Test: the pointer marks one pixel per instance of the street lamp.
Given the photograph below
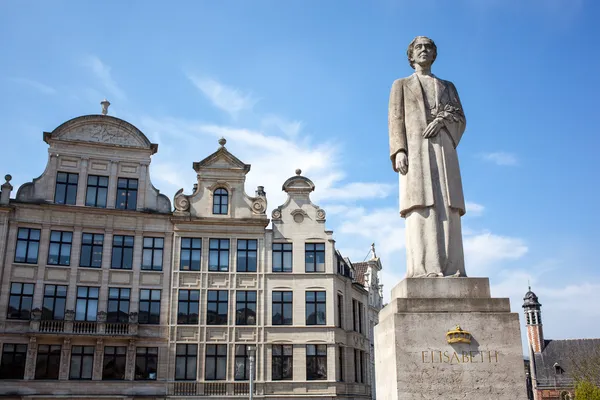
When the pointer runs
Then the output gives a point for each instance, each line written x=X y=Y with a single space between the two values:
x=251 y=353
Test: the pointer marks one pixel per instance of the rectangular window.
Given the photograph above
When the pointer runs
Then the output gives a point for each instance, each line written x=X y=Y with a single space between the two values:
x=316 y=362
x=282 y=257
x=340 y=310
x=246 y=255
x=115 y=358
x=149 y=306
x=127 y=194
x=245 y=308
x=55 y=298
x=282 y=308
x=12 y=365
x=220 y=201
x=282 y=362
x=315 y=257
x=242 y=363
x=358 y=366
x=28 y=243
x=218 y=258
x=361 y=308
x=362 y=366
x=47 y=363
x=118 y=305
x=152 y=257
x=189 y=301
x=186 y=360
x=355 y=315
x=122 y=252
x=315 y=308
x=190 y=255
x=20 y=300
x=86 y=307
x=216 y=307
x=340 y=364
x=146 y=363
x=59 y=252
x=97 y=189
x=82 y=362
x=91 y=250
x=216 y=362
x=66 y=188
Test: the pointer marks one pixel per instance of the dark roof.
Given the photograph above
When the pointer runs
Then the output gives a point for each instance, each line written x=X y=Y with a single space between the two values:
x=565 y=353
x=530 y=300
x=360 y=268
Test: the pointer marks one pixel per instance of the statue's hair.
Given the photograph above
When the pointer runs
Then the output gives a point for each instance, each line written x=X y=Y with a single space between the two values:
x=412 y=45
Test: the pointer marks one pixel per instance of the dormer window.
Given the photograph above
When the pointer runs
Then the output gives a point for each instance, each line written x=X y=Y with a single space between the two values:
x=220 y=201
x=557 y=369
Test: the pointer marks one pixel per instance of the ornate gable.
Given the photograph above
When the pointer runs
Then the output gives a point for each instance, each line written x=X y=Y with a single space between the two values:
x=221 y=159
x=102 y=129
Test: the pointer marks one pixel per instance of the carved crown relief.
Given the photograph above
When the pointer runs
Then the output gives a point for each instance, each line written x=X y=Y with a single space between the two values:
x=103 y=134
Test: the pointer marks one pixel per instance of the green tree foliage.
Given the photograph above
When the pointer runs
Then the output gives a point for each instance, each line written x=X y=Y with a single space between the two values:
x=586 y=390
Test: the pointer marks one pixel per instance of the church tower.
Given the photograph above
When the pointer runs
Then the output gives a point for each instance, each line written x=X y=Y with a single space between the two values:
x=533 y=320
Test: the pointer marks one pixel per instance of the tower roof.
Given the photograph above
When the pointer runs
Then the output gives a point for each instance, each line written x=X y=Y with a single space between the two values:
x=530 y=299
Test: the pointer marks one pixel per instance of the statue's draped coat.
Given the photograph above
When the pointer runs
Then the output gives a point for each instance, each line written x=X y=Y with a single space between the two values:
x=431 y=196
x=407 y=122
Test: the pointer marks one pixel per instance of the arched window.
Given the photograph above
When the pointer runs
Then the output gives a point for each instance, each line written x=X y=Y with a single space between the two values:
x=220 y=201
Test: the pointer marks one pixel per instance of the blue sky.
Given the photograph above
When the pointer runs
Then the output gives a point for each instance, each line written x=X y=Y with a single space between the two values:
x=305 y=85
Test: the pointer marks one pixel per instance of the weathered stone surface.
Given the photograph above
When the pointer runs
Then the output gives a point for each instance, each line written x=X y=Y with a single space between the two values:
x=442 y=288
x=415 y=361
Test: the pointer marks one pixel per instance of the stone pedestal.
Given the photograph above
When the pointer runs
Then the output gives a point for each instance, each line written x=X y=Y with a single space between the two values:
x=413 y=359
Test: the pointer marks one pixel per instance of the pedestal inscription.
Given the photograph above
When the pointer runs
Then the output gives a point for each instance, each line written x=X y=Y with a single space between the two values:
x=463 y=345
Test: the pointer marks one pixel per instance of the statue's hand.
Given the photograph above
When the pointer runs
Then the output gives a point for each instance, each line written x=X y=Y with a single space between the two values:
x=433 y=128
x=402 y=162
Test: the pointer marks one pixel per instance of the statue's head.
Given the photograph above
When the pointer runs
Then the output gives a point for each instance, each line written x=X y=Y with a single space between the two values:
x=421 y=50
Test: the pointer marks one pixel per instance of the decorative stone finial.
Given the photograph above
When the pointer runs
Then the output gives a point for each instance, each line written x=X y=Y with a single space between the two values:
x=222 y=142
x=7 y=177
x=105 y=103
x=298 y=171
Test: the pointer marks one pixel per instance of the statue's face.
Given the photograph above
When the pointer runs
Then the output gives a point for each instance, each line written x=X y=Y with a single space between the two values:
x=423 y=52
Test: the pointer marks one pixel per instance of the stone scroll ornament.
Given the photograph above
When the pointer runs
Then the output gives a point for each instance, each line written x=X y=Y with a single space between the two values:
x=182 y=203
x=426 y=123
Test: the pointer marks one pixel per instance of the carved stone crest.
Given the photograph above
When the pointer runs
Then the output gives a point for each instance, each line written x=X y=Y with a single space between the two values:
x=69 y=315
x=321 y=214
x=133 y=318
x=101 y=316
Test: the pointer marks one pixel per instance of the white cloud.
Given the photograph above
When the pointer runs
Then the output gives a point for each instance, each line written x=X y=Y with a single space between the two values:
x=358 y=190
x=228 y=99
x=474 y=209
x=500 y=158
x=41 y=87
x=104 y=76
x=486 y=249
x=289 y=128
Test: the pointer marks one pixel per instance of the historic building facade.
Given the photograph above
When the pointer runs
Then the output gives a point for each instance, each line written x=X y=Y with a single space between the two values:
x=553 y=363
x=108 y=291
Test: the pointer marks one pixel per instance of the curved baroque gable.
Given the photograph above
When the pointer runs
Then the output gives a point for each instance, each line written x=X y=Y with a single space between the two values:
x=102 y=129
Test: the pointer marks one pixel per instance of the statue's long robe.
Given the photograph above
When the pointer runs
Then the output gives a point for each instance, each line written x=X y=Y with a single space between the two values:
x=431 y=196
